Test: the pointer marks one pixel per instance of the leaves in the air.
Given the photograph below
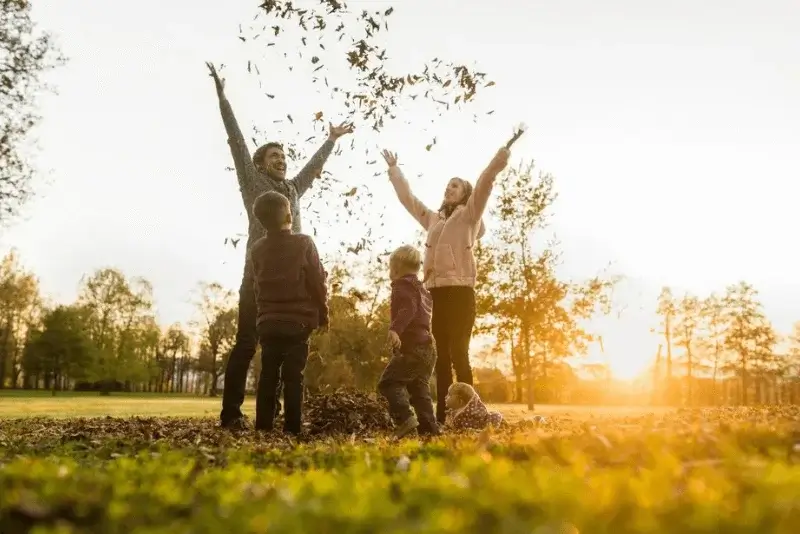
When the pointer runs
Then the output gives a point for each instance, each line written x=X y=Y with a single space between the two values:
x=374 y=94
x=351 y=192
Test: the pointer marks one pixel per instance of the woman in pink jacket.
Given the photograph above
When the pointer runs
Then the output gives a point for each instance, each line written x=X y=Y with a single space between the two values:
x=449 y=264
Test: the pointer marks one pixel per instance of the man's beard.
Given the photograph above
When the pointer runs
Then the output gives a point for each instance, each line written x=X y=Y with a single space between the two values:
x=275 y=173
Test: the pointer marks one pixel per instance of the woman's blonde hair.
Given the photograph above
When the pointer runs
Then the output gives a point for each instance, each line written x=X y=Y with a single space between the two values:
x=406 y=259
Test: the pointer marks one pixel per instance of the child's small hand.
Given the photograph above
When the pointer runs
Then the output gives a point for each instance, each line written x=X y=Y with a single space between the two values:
x=393 y=339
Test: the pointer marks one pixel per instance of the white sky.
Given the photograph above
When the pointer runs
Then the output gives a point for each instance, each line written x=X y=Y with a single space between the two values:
x=672 y=129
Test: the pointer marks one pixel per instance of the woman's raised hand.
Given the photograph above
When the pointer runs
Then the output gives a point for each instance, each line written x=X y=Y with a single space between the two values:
x=390 y=158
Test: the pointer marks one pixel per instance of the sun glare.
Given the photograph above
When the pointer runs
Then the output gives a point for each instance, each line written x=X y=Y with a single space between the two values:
x=623 y=368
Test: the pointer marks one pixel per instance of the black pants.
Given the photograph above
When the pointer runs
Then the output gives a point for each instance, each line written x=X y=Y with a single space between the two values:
x=242 y=353
x=452 y=323
x=284 y=352
x=406 y=382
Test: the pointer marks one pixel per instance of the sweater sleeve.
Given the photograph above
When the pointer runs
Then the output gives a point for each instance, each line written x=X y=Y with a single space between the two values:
x=242 y=161
x=316 y=280
x=476 y=204
x=424 y=215
x=403 y=306
x=302 y=182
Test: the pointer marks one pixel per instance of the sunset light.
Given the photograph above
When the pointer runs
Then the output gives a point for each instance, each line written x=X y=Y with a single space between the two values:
x=375 y=266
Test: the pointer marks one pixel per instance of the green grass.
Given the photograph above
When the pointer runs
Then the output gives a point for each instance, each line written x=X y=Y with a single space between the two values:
x=595 y=471
x=22 y=403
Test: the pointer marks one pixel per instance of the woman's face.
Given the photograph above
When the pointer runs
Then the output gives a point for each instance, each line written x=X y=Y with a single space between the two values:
x=455 y=192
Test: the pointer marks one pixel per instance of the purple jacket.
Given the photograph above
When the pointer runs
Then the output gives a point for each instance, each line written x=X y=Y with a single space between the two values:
x=411 y=306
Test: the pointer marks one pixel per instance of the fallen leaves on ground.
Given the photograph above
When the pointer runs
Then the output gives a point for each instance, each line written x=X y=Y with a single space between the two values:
x=719 y=470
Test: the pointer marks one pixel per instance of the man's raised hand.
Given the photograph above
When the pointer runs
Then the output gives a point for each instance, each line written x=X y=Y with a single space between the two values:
x=337 y=131
x=220 y=83
x=390 y=158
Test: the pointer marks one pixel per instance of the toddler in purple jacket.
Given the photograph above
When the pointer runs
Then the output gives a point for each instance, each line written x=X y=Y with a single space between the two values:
x=413 y=351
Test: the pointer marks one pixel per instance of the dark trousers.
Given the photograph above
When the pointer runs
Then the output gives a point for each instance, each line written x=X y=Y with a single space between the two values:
x=242 y=353
x=284 y=352
x=452 y=322
x=406 y=382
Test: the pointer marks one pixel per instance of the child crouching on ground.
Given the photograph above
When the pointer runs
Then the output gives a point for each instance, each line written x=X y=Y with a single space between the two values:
x=413 y=351
x=291 y=301
x=467 y=410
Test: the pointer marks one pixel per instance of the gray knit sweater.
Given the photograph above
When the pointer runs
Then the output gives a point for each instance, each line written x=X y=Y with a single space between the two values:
x=253 y=182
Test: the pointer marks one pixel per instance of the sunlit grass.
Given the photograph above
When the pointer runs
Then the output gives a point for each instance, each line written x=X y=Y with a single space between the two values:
x=17 y=403
x=710 y=471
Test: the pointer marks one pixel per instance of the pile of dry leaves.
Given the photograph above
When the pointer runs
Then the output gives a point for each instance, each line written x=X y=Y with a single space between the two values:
x=346 y=412
x=343 y=413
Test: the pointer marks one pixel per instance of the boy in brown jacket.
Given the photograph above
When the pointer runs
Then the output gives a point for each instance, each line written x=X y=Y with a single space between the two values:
x=291 y=302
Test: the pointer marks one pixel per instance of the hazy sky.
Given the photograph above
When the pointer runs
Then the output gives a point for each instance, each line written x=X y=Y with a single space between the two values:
x=672 y=128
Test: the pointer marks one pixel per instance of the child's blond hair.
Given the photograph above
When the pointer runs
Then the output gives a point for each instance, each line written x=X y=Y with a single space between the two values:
x=405 y=260
x=461 y=394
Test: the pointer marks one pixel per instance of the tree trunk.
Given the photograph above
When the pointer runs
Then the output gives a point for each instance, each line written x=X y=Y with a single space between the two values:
x=668 y=340
x=689 y=373
x=743 y=395
x=531 y=368
x=714 y=384
x=656 y=399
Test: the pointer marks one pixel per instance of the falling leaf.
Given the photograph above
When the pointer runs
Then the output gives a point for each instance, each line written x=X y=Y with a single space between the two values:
x=318 y=116
x=489 y=84
x=351 y=192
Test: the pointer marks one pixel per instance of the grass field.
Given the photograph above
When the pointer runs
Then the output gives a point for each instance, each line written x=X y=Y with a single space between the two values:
x=584 y=469
x=16 y=403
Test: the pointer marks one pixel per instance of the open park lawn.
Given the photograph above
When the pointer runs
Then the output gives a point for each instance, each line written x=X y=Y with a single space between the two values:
x=136 y=463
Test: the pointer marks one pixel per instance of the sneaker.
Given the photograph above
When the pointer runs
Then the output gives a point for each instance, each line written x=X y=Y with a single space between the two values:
x=406 y=427
x=237 y=424
x=429 y=431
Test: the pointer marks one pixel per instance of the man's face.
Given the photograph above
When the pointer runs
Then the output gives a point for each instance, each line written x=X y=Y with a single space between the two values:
x=274 y=163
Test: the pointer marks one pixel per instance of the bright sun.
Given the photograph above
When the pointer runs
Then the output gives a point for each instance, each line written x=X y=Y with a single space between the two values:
x=624 y=368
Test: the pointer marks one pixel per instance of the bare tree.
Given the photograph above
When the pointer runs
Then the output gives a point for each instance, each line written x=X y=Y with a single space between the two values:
x=25 y=55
